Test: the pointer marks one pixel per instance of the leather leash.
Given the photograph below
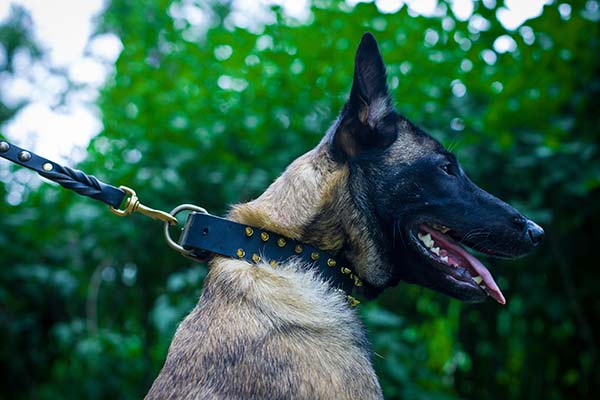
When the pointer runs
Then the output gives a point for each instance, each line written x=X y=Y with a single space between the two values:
x=203 y=234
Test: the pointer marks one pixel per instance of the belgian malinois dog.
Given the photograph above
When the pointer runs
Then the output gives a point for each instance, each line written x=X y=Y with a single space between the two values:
x=377 y=191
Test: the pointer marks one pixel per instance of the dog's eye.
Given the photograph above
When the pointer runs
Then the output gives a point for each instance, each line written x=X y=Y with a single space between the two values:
x=446 y=168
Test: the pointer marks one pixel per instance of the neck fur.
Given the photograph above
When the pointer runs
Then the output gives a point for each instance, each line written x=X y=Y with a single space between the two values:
x=311 y=202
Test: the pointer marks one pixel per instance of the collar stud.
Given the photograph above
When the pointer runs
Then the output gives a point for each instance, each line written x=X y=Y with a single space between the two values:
x=352 y=301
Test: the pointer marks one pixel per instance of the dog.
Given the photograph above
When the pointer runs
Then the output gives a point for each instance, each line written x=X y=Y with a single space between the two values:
x=377 y=191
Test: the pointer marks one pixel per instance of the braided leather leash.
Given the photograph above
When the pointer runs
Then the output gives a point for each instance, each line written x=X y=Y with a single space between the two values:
x=203 y=234
x=68 y=178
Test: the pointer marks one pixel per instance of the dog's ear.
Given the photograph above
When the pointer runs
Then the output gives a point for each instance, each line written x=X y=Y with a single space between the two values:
x=368 y=119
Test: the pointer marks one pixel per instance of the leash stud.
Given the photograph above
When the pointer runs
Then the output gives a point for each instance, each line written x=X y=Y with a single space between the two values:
x=24 y=156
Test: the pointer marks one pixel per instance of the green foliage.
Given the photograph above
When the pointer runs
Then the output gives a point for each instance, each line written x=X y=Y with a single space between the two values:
x=88 y=303
x=15 y=37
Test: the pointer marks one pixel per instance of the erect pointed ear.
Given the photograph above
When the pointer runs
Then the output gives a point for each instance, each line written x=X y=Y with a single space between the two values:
x=368 y=118
x=369 y=74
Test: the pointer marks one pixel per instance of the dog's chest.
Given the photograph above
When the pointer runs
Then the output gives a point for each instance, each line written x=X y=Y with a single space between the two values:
x=260 y=334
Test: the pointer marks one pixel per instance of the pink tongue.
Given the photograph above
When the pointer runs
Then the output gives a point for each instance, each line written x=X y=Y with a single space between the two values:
x=492 y=288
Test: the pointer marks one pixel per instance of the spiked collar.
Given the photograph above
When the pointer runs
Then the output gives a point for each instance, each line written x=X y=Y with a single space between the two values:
x=206 y=233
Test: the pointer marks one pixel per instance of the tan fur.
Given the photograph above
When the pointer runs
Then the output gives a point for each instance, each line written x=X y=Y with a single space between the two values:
x=409 y=147
x=311 y=203
x=263 y=332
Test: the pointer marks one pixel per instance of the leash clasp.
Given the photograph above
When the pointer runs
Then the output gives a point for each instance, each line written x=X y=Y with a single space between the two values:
x=133 y=205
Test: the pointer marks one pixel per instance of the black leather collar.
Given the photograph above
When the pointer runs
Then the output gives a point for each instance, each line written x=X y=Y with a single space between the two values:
x=205 y=233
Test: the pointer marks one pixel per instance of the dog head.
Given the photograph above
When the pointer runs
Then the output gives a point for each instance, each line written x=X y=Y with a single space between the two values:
x=419 y=207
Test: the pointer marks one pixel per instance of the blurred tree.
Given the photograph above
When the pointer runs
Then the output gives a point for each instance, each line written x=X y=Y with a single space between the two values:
x=208 y=105
x=15 y=38
x=18 y=317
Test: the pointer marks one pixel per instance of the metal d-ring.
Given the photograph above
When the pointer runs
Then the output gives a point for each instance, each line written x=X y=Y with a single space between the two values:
x=174 y=245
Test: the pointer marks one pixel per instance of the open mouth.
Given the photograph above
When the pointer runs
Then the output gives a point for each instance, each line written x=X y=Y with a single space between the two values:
x=444 y=252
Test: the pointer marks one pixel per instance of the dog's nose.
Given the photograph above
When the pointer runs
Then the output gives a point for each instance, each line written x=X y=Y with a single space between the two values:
x=535 y=233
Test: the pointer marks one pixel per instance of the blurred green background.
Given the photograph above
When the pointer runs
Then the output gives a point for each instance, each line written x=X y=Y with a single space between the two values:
x=211 y=112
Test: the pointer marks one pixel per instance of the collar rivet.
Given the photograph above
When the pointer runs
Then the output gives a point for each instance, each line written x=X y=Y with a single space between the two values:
x=353 y=302
x=264 y=236
x=314 y=256
x=357 y=281
x=298 y=249
x=240 y=253
x=331 y=262
x=281 y=242
x=249 y=231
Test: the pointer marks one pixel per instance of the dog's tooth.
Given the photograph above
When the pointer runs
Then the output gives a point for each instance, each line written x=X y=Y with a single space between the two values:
x=444 y=258
x=427 y=240
x=436 y=250
x=478 y=279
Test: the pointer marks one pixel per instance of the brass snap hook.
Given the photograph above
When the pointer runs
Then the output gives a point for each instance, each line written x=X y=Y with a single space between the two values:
x=133 y=205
